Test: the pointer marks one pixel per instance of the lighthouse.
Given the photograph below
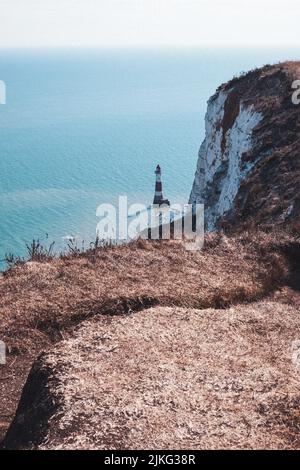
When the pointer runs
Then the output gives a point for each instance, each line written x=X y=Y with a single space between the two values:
x=158 y=195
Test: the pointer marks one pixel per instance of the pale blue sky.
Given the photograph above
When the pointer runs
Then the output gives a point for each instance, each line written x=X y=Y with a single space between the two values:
x=52 y=23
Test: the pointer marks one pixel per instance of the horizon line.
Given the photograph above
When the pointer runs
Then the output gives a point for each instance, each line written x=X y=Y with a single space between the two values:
x=156 y=46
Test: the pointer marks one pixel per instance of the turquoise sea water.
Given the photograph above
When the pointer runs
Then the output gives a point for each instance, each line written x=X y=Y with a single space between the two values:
x=80 y=128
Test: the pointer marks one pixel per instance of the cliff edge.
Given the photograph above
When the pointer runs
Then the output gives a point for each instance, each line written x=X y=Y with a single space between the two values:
x=167 y=378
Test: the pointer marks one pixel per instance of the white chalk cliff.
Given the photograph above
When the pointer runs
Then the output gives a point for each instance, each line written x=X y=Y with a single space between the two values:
x=246 y=123
x=220 y=169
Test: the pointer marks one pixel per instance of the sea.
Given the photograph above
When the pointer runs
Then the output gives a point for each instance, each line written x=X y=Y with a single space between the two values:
x=82 y=127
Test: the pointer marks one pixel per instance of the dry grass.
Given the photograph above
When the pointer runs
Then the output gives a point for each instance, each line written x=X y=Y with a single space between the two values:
x=168 y=378
x=42 y=302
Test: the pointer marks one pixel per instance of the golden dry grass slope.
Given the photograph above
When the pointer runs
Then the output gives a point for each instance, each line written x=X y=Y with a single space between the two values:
x=108 y=293
x=168 y=378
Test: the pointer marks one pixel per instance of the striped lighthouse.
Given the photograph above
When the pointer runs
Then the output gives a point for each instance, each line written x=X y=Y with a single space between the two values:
x=158 y=195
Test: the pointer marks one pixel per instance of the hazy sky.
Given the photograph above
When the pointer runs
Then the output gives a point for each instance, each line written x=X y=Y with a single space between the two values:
x=38 y=23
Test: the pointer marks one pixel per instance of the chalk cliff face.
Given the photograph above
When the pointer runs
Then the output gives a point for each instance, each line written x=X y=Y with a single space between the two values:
x=248 y=169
